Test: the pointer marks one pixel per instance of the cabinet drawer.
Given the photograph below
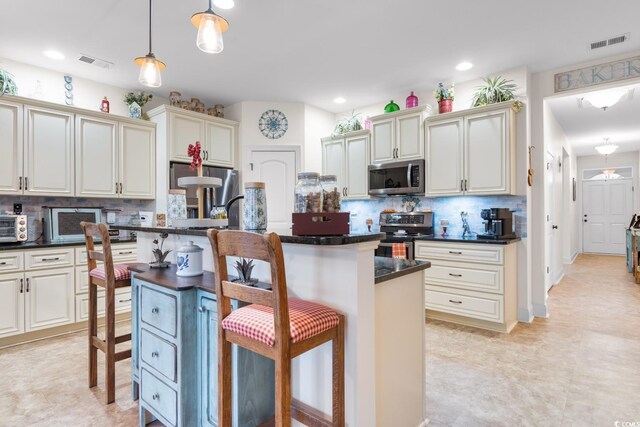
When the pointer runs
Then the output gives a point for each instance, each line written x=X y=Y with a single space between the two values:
x=119 y=252
x=10 y=262
x=159 y=397
x=158 y=310
x=123 y=304
x=48 y=258
x=465 y=303
x=474 y=277
x=158 y=354
x=485 y=253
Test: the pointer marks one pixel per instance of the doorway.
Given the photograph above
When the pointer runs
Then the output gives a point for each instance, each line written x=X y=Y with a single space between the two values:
x=550 y=218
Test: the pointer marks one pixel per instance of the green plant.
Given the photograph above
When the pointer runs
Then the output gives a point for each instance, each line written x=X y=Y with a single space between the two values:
x=158 y=253
x=348 y=124
x=7 y=83
x=443 y=92
x=493 y=90
x=244 y=267
x=139 y=98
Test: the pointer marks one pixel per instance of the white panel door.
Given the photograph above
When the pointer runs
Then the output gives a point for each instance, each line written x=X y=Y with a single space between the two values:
x=184 y=130
x=607 y=207
x=382 y=141
x=444 y=158
x=486 y=153
x=137 y=163
x=220 y=143
x=333 y=162
x=11 y=144
x=96 y=157
x=277 y=169
x=49 y=165
x=409 y=138
x=357 y=162
x=549 y=212
x=50 y=298
x=11 y=304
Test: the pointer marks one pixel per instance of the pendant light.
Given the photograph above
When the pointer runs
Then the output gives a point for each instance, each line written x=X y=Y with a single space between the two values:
x=210 y=28
x=150 y=67
x=606 y=148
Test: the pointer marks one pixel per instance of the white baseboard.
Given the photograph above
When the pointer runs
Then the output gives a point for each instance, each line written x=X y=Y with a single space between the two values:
x=572 y=259
x=540 y=310
x=559 y=279
x=525 y=315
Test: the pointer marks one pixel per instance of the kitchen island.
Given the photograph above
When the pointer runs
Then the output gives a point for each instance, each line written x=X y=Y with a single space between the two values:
x=384 y=336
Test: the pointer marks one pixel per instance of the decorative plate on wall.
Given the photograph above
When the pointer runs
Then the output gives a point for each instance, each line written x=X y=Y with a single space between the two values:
x=273 y=124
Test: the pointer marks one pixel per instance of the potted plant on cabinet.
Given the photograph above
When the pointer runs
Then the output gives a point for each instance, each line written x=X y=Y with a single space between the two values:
x=348 y=124
x=494 y=90
x=444 y=96
x=135 y=102
x=7 y=83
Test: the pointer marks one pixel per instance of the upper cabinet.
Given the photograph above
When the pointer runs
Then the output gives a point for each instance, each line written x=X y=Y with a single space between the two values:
x=472 y=151
x=219 y=144
x=137 y=161
x=97 y=154
x=183 y=131
x=11 y=143
x=397 y=136
x=347 y=157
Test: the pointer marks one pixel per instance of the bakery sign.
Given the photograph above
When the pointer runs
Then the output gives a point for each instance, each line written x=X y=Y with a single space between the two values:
x=598 y=74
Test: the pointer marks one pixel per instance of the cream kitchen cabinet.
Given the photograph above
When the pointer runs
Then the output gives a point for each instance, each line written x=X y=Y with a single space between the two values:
x=219 y=147
x=472 y=151
x=184 y=130
x=398 y=136
x=137 y=161
x=50 y=298
x=11 y=304
x=11 y=147
x=346 y=156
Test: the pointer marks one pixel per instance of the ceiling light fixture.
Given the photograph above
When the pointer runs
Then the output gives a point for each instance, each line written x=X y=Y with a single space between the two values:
x=606 y=148
x=210 y=28
x=224 y=4
x=53 y=54
x=604 y=98
x=150 y=67
x=464 y=66
x=339 y=100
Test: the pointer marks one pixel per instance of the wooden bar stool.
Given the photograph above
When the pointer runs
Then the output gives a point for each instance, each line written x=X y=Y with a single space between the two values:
x=109 y=277
x=274 y=326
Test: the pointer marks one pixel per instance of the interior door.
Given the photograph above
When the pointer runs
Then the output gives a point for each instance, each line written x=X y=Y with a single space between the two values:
x=549 y=218
x=278 y=170
x=606 y=209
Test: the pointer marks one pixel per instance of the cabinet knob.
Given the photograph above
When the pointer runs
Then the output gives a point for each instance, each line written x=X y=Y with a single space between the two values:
x=155 y=310
x=156 y=396
x=203 y=309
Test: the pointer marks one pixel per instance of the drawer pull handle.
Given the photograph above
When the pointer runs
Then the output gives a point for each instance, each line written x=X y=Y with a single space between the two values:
x=155 y=310
x=124 y=300
x=455 y=253
x=3 y=263
x=455 y=302
x=156 y=396
x=203 y=309
x=155 y=354
x=455 y=275
x=125 y=253
x=51 y=259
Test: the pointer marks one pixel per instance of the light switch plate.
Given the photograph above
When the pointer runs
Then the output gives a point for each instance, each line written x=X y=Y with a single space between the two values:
x=111 y=217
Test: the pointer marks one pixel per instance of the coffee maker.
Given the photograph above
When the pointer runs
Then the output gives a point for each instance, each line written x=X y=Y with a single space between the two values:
x=498 y=224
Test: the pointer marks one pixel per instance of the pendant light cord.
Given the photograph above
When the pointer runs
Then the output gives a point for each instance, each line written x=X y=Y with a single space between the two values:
x=150 y=51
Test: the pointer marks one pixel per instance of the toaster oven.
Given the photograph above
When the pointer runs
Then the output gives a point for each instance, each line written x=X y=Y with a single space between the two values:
x=13 y=228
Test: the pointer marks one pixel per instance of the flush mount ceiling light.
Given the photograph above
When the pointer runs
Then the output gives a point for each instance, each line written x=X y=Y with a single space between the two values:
x=464 y=66
x=604 y=98
x=150 y=67
x=53 y=54
x=210 y=28
x=339 y=100
x=606 y=148
x=224 y=4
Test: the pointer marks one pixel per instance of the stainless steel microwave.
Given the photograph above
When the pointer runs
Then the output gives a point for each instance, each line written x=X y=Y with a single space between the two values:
x=397 y=178
x=63 y=224
x=13 y=228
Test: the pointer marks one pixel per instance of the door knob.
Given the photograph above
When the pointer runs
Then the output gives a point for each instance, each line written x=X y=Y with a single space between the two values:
x=555 y=227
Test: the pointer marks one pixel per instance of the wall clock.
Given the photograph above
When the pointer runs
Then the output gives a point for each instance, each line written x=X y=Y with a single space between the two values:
x=273 y=124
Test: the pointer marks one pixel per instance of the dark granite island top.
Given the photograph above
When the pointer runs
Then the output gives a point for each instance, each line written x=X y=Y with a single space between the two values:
x=285 y=235
x=392 y=268
x=473 y=239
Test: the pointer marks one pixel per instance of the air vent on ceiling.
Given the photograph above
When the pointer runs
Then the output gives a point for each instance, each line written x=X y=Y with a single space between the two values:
x=92 y=60
x=609 y=42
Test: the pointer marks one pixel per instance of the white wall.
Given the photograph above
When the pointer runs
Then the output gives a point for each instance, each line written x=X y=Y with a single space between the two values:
x=318 y=124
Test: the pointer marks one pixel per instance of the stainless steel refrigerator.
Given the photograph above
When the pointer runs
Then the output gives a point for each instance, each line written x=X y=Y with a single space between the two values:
x=217 y=197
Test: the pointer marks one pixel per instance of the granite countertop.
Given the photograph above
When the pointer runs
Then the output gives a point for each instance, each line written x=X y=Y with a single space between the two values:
x=472 y=239
x=392 y=268
x=45 y=245
x=285 y=235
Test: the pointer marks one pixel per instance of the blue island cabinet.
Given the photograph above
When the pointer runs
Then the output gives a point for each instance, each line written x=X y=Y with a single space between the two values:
x=174 y=361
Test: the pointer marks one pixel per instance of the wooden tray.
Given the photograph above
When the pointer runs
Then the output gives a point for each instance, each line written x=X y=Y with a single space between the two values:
x=320 y=224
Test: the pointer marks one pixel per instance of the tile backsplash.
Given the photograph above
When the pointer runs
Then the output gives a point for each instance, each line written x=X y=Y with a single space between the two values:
x=32 y=207
x=443 y=208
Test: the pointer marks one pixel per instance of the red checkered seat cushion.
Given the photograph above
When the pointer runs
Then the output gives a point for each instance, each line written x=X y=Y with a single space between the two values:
x=256 y=321
x=121 y=271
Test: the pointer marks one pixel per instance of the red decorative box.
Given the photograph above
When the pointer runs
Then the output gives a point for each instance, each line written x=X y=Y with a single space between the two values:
x=320 y=224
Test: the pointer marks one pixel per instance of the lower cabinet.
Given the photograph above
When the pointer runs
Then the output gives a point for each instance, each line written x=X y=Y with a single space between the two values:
x=50 y=298
x=11 y=304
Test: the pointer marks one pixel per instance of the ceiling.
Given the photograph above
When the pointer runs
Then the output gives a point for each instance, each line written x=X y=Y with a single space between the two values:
x=586 y=126
x=313 y=51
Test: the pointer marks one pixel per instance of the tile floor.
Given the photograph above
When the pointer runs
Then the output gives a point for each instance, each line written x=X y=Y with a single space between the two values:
x=579 y=367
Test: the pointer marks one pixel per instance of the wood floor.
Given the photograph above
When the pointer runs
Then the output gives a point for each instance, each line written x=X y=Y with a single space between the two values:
x=579 y=367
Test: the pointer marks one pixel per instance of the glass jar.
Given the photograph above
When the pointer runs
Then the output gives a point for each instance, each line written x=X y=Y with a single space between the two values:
x=330 y=193
x=308 y=193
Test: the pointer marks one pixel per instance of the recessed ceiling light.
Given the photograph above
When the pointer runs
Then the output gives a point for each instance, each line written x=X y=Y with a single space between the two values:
x=224 y=4
x=53 y=54
x=464 y=66
x=339 y=100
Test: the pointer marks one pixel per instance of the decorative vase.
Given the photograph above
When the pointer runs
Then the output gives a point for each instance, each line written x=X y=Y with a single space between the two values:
x=445 y=105
x=174 y=98
x=412 y=100
x=254 y=212
x=367 y=123
x=391 y=107
x=134 y=111
x=189 y=260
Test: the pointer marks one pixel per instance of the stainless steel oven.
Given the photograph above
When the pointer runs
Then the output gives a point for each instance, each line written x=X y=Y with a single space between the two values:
x=13 y=228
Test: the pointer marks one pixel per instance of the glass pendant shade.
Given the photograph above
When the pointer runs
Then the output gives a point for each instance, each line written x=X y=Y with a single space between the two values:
x=604 y=99
x=209 y=35
x=150 y=71
x=606 y=148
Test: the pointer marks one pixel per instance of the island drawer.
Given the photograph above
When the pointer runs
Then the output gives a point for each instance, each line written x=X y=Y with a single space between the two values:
x=158 y=354
x=159 y=396
x=10 y=262
x=484 y=253
x=48 y=258
x=465 y=303
x=463 y=275
x=159 y=310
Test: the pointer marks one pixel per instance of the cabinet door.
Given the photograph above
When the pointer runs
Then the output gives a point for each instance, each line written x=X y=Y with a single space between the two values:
x=11 y=304
x=11 y=148
x=486 y=153
x=137 y=161
x=333 y=161
x=409 y=140
x=208 y=361
x=382 y=142
x=220 y=144
x=444 y=158
x=49 y=153
x=357 y=153
x=184 y=130
x=96 y=157
x=50 y=298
